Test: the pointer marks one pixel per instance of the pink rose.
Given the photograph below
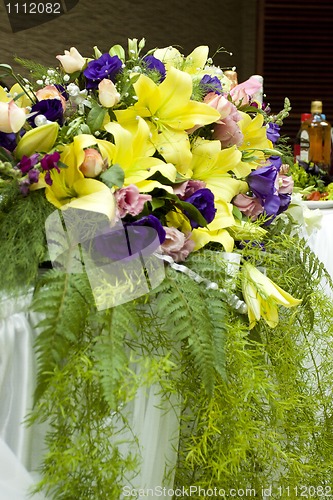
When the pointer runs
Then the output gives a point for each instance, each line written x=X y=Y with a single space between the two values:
x=176 y=244
x=51 y=92
x=187 y=188
x=248 y=205
x=130 y=200
x=223 y=106
x=241 y=93
x=93 y=163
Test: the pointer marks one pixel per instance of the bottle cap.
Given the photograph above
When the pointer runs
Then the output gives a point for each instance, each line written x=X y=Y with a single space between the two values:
x=305 y=116
x=316 y=106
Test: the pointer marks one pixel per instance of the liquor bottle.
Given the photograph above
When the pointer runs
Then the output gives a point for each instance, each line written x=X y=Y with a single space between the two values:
x=301 y=144
x=319 y=132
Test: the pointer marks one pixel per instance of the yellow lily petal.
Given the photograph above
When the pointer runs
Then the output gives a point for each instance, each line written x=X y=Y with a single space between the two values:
x=177 y=219
x=174 y=146
x=170 y=56
x=38 y=140
x=93 y=196
x=202 y=236
x=3 y=95
x=196 y=60
x=22 y=101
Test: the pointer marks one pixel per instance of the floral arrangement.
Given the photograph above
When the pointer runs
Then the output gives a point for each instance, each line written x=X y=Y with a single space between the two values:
x=169 y=152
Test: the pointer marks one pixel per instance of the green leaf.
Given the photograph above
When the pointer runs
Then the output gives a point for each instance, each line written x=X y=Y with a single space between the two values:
x=5 y=156
x=7 y=68
x=114 y=176
x=237 y=213
x=96 y=117
x=157 y=203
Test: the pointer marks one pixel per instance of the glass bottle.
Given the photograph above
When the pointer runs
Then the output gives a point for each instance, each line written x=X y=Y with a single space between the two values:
x=319 y=132
x=301 y=145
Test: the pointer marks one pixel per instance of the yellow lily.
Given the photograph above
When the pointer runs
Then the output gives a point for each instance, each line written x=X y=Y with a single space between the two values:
x=195 y=63
x=217 y=230
x=212 y=165
x=255 y=141
x=70 y=189
x=169 y=111
x=133 y=153
x=22 y=102
x=262 y=296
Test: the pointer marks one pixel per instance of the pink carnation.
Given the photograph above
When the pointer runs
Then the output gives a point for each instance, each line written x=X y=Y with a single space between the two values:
x=248 y=205
x=176 y=244
x=130 y=200
x=285 y=184
x=226 y=128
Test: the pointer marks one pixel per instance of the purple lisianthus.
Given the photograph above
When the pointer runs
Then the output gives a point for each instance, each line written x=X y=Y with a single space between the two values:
x=275 y=161
x=105 y=66
x=50 y=108
x=62 y=90
x=262 y=181
x=285 y=199
x=150 y=221
x=8 y=141
x=273 y=132
x=210 y=84
x=202 y=200
x=127 y=242
x=154 y=64
x=28 y=162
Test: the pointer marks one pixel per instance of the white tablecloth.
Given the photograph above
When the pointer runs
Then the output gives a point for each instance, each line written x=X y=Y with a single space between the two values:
x=321 y=242
x=154 y=422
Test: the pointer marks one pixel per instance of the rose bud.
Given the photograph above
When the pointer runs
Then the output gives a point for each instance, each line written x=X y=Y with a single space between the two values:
x=93 y=163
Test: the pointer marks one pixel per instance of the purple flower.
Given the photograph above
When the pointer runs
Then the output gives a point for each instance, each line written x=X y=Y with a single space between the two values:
x=273 y=132
x=27 y=162
x=50 y=108
x=285 y=199
x=203 y=200
x=272 y=206
x=105 y=66
x=262 y=181
x=8 y=141
x=154 y=64
x=210 y=84
x=275 y=161
x=125 y=243
x=62 y=90
x=49 y=161
x=151 y=221
x=33 y=175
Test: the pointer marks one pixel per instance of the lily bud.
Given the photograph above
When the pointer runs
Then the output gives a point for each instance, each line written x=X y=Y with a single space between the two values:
x=39 y=139
x=72 y=60
x=12 y=118
x=93 y=163
x=108 y=94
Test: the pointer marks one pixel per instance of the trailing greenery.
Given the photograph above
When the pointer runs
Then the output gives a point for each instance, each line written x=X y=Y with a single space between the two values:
x=270 y=421
x=22 y=235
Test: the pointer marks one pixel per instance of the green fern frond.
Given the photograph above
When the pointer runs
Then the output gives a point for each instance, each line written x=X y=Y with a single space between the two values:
x=64 y=301
x=22 y=236
x=183 y=305
x=36 y=70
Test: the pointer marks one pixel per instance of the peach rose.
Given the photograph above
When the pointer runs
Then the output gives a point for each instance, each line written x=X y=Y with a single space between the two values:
x=51 y=92
x=93 y=163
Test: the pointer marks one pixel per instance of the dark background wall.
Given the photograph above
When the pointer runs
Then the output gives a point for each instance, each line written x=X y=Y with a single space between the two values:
x=186 y=23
